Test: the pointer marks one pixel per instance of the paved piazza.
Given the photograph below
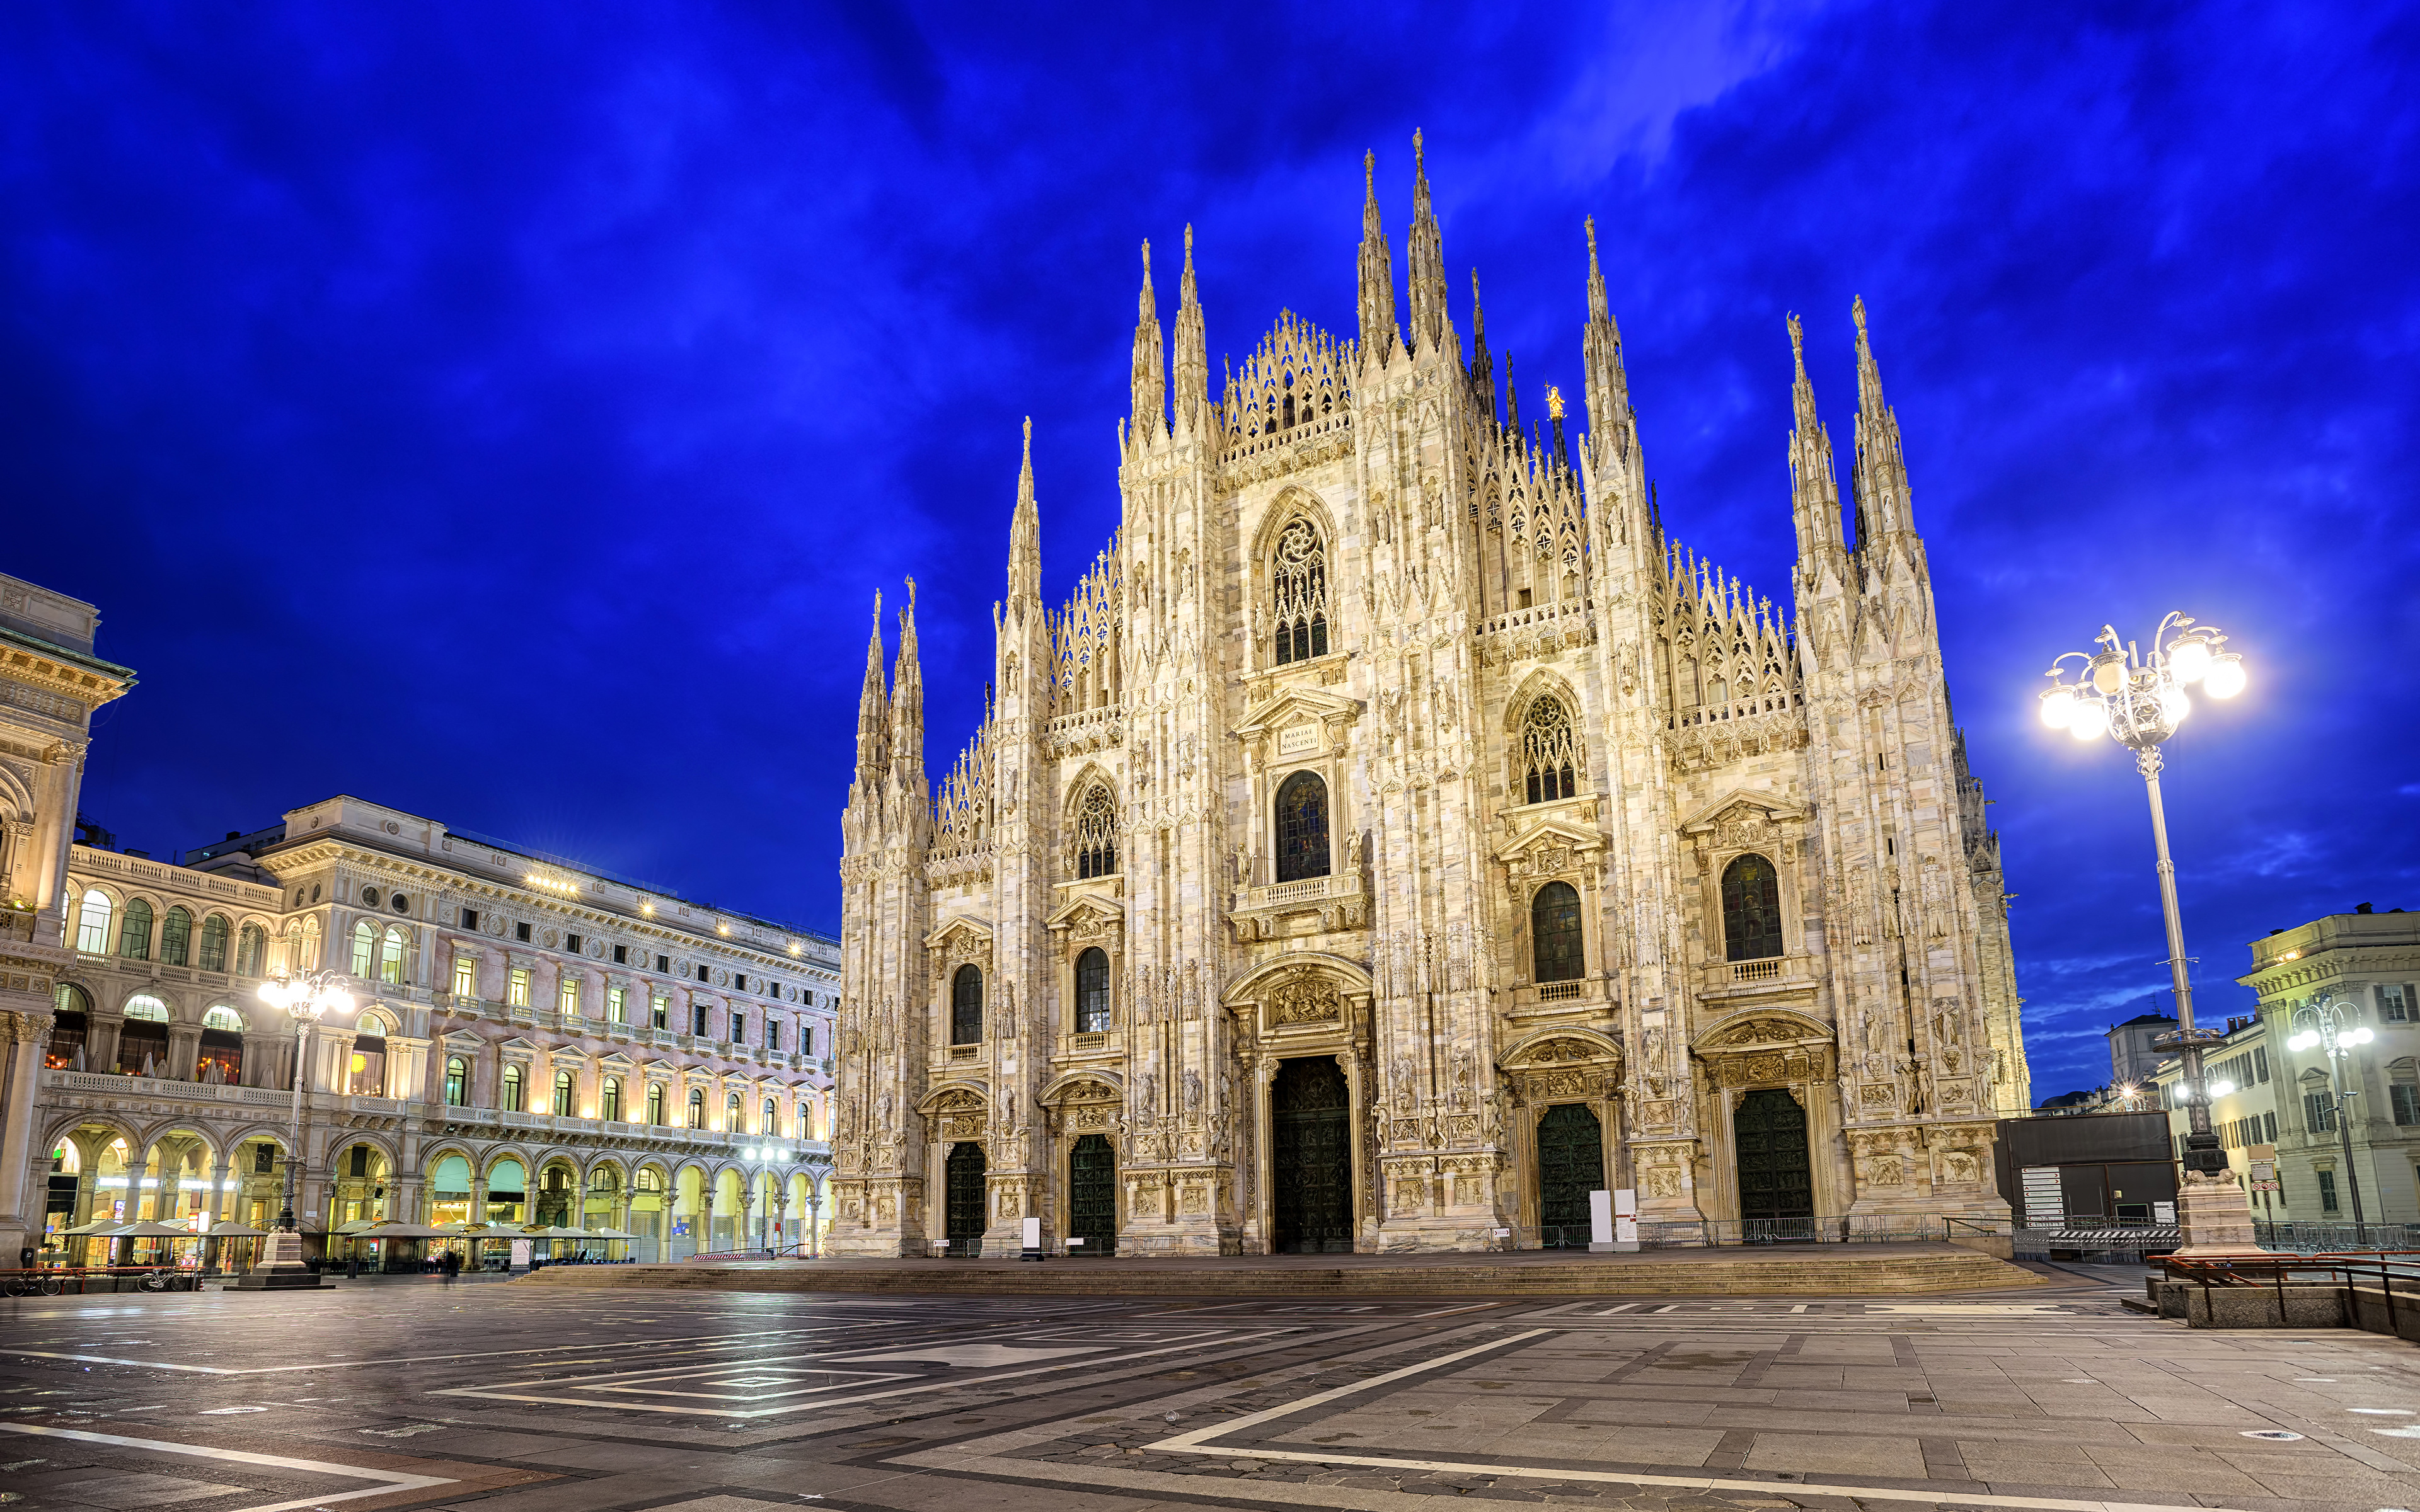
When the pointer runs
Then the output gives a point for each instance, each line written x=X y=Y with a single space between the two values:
x=503 y=1396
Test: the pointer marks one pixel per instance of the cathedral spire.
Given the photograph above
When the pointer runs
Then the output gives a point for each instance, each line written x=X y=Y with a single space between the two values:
x=1483 y=366
x=1025 y=533
x=1512 y=398
x=1192 y=353
x=1426 y=256
x=908 y=704
x=1608 y=386
x=1814 y=484
x=1150 y=370
x=873 y=707
x=1881 y=470
x=1378 y=334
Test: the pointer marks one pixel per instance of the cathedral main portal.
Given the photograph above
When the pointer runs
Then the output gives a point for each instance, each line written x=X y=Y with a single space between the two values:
x=1571 y=1164
x=1093 y=1195
x=1775 y=1177
x=1311 y=1159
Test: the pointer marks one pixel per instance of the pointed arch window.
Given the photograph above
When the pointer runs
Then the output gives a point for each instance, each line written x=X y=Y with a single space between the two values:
x=1092 y=990
x=1751 y=909
x=134 y=931
x=1299 y=584
x=1549 y=753
x=1096 y=834
x=92 y=923
x=1302 y=828
x=1555 y=947
x=966 y=1006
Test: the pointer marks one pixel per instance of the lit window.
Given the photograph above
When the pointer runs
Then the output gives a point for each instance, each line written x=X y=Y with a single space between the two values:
x=512 y=1098
x=696 y=1107
x=466 y=977
x=610 y=1103
x=617 y=1008
x=663 y=1011
x=148 y=1008
x=223 y=1017
x=365 y=944
x=517 y=987
x=566 y=997
x=92 y=923
x=655 y=1113
x=731 y=1114
x=458 y=1081
x=390 y=957
x=563 y=1094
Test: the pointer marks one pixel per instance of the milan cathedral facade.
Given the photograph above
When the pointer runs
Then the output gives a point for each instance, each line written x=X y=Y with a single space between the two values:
x=1398 y=836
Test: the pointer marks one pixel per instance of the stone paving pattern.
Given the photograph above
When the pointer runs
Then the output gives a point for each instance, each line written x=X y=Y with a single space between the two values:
x=520 y=1398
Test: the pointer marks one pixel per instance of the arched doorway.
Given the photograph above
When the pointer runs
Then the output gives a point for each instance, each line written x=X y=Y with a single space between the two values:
x=1775 y=1182
x=1093 y=1195
x=963 y=1200
x=1571 y=1164
x=1311 y=1159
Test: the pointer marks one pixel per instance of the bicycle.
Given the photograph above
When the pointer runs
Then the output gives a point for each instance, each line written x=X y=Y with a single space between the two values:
x=31 y=1286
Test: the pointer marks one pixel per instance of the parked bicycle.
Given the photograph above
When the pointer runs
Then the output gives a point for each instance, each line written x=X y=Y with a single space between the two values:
x=30 y=1284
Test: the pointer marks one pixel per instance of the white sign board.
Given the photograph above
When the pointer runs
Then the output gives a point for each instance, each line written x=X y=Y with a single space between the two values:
x=1032 y=1233
x=520 y=1254
x=1600 y=1218
x=1625 y=1216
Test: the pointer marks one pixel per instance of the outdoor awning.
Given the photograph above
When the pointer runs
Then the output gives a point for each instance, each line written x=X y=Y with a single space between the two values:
x=153 y=1228
x=91 y=1230
x=235 y=1231
x=609 y=1233
x=404 y=1230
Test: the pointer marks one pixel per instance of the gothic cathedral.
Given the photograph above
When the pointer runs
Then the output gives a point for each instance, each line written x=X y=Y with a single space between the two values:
x=1398 y=836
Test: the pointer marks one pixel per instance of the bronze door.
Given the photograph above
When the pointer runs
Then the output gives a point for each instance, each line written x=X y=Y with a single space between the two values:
x=963 y=1199
x=1775 y=1177
x=1571 y=1164
x=1093 y=1196
x=1311 y=1159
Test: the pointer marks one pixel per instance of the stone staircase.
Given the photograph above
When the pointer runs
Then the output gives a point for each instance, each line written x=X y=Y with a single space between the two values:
x=1830 y=1271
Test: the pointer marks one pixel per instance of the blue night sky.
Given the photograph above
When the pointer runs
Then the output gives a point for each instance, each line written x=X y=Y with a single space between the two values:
x=509 y=413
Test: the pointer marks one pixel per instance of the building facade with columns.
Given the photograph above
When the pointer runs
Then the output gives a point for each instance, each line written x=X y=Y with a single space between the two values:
x=534 y=1042
x=1399 y=834
x=50 y=682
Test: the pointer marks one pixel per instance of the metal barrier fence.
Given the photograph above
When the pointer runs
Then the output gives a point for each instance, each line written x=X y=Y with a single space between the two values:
x=2332 y=1238
x=1871 y=1229
x=2388 y=1277
x=2107 y=1238
x=76 y=1280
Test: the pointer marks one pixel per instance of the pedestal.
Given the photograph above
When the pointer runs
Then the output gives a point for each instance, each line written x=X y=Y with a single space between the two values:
x=281 y=1267
x=2213 y=1216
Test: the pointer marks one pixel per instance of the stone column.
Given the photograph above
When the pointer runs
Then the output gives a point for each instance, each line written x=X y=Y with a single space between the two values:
x=22 y=1208
x=184 y=1052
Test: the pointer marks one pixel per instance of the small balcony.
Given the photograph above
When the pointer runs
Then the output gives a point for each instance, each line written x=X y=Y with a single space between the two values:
x=1780 y=975
x=1260 y=913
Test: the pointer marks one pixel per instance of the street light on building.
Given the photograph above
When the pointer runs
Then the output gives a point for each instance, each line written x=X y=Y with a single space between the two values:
x=305 y=999
x=2330 y=1024
x=2138 y=698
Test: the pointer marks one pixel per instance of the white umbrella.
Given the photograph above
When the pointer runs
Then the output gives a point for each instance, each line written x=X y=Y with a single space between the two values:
x=398 y=1229
x=234 y=1230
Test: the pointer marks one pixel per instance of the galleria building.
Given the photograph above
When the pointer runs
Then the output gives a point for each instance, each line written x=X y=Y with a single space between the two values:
x=1398 y=836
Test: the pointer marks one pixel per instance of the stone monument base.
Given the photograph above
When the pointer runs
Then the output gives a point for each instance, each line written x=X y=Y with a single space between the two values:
x=281 y=1267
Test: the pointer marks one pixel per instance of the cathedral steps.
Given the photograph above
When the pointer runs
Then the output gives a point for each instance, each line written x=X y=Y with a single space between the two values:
x=1874 y=1270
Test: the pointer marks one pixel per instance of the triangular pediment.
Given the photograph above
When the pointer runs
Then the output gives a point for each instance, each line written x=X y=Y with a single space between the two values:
x=1752 y=805
x=1296 y=703
x=1550 y=831
x=1086 y=905
x=519 y=1046
x=615 y=1061
x=977 y=930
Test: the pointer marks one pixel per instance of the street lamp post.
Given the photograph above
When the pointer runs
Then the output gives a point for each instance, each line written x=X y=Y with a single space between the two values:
x=2330 y=1023
x=306 y=998
x=2138 y=698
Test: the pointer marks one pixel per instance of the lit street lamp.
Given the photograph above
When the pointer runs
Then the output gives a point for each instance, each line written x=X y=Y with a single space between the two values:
x=2335 y=1024
x=306 y=998
x=2138 y=698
